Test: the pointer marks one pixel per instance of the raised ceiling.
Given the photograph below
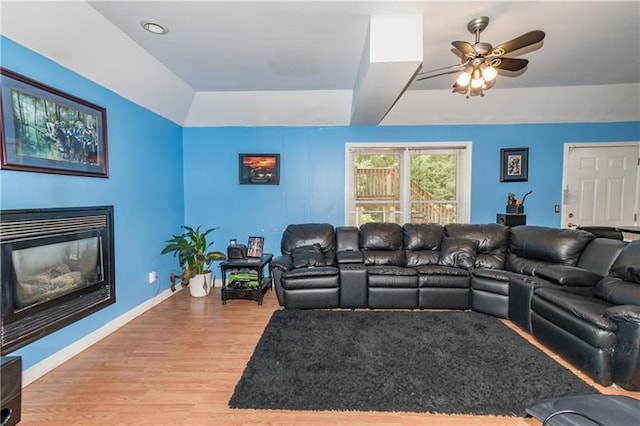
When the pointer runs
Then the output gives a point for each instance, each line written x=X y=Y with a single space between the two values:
x=301 y=62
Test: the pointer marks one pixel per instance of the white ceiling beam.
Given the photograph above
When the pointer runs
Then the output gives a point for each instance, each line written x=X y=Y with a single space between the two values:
x=569 y=104
x=78 y=37
x=391 y=56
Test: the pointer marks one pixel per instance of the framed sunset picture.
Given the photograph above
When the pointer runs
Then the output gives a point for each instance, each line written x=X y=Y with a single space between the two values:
x=259 y=169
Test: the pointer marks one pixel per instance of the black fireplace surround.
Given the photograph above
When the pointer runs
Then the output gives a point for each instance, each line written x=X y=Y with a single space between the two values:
x=57 y=267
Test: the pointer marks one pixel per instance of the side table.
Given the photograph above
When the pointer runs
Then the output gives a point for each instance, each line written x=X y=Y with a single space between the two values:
x=244 y=289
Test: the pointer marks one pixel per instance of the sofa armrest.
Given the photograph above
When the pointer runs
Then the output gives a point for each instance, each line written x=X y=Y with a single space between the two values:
x=568 y=275
x=628 y=313
x=283 y=263
x=626 y=356
x=349 y=256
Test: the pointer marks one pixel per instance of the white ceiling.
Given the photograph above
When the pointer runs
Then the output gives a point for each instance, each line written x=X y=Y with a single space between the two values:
x=301 y=62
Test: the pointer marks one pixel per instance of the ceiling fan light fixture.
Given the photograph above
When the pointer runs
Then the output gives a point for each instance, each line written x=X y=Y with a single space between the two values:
x=476 y=79
x=464 y=79
x=489 y=74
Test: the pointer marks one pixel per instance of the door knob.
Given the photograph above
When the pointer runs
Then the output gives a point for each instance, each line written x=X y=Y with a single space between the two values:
x=571 y=225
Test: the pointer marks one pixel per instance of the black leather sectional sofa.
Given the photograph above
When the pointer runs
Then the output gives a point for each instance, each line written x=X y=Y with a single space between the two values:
x=577 y=294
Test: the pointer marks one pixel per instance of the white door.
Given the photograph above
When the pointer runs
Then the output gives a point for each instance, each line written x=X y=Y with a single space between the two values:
x=601 y=185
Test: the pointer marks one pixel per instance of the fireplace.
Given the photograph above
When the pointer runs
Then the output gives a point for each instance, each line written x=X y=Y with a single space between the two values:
x=57 y=266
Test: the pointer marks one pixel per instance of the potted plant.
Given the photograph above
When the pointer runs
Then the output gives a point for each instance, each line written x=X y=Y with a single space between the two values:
x=191 y=248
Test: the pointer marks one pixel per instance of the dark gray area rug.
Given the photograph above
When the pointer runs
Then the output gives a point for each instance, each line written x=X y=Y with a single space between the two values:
x=441 y=362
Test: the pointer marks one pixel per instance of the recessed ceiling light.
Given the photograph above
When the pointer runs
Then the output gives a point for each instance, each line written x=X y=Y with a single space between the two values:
x=154 y=27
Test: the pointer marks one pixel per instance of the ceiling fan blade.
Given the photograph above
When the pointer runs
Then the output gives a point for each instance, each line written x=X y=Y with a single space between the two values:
x=444 y=70
x=437 y=74
x=509 y=64
x=465 y=48
x=532 y=37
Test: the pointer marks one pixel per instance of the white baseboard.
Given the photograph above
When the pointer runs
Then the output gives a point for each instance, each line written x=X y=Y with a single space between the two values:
x=43 y=367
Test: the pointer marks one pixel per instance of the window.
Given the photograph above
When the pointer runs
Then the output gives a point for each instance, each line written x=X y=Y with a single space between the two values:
x=402 y=183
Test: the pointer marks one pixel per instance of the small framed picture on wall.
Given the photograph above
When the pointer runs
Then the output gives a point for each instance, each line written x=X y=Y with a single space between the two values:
x=259 y=169
x=514 y=164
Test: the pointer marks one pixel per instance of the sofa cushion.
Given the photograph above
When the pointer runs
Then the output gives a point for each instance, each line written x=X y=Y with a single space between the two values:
x=588 y=309
x=458 y=252
x=598 y=256
x=391 y=277
x=442 y=270
x=627 y=265
x=422 y=257
x=617 y=291
x=422 y=236
x=307 y=256
x=492 y=238
x=307 y=234
x=384 y=257
x=544 y=246
x=381 y=236
x=492 y=274
x=322 y=271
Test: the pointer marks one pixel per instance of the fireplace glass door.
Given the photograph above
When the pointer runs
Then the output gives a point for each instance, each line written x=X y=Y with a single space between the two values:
x=53 y=270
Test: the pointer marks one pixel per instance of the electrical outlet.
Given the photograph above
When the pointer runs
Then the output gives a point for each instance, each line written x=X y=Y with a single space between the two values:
x=153 y=277
x=556 y=208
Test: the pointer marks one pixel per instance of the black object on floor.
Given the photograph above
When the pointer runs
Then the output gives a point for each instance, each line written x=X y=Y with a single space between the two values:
x=442 y=362
x=587 y=410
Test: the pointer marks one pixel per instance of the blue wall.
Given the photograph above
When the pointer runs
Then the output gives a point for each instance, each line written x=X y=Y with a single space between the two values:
x=313 y=171
x=163 y=176
x=144 y=186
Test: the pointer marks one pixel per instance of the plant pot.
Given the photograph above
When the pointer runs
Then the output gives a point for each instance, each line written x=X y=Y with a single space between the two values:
x=200 y=285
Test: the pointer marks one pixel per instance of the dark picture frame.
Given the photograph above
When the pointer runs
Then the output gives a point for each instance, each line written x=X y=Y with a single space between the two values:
x=514 y=164
x=259 y=169
x=49 y=131
x=255 y=246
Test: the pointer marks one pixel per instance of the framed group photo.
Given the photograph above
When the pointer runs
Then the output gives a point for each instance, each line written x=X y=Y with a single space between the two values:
x=49 y=131
x=514 y=164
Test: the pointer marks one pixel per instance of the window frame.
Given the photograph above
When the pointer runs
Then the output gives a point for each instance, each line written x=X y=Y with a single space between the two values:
x=463 y=190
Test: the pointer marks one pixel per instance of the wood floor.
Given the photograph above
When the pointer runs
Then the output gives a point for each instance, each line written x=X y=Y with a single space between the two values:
x=178 y=364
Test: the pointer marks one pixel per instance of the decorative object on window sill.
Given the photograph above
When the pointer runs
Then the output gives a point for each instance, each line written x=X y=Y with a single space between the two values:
x=481 y=62
x=514 y=164
x=49 y=131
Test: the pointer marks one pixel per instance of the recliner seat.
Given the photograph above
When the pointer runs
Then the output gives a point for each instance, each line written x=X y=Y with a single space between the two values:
x=599 y=332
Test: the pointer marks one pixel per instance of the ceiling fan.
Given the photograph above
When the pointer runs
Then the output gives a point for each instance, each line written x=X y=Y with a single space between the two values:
x=481 y=61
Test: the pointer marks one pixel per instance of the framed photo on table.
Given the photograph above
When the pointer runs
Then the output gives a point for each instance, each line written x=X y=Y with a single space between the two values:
x=254 y=247
x=514 y=164
x=48 y=131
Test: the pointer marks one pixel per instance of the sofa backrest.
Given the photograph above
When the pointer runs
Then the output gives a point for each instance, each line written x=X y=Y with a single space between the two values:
x=627 y=265
x=308 y=234
x=599 y=255
x=531 y=247
x=382 y=244
x=422 y=243
x=622 y=285
x=492 y=238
